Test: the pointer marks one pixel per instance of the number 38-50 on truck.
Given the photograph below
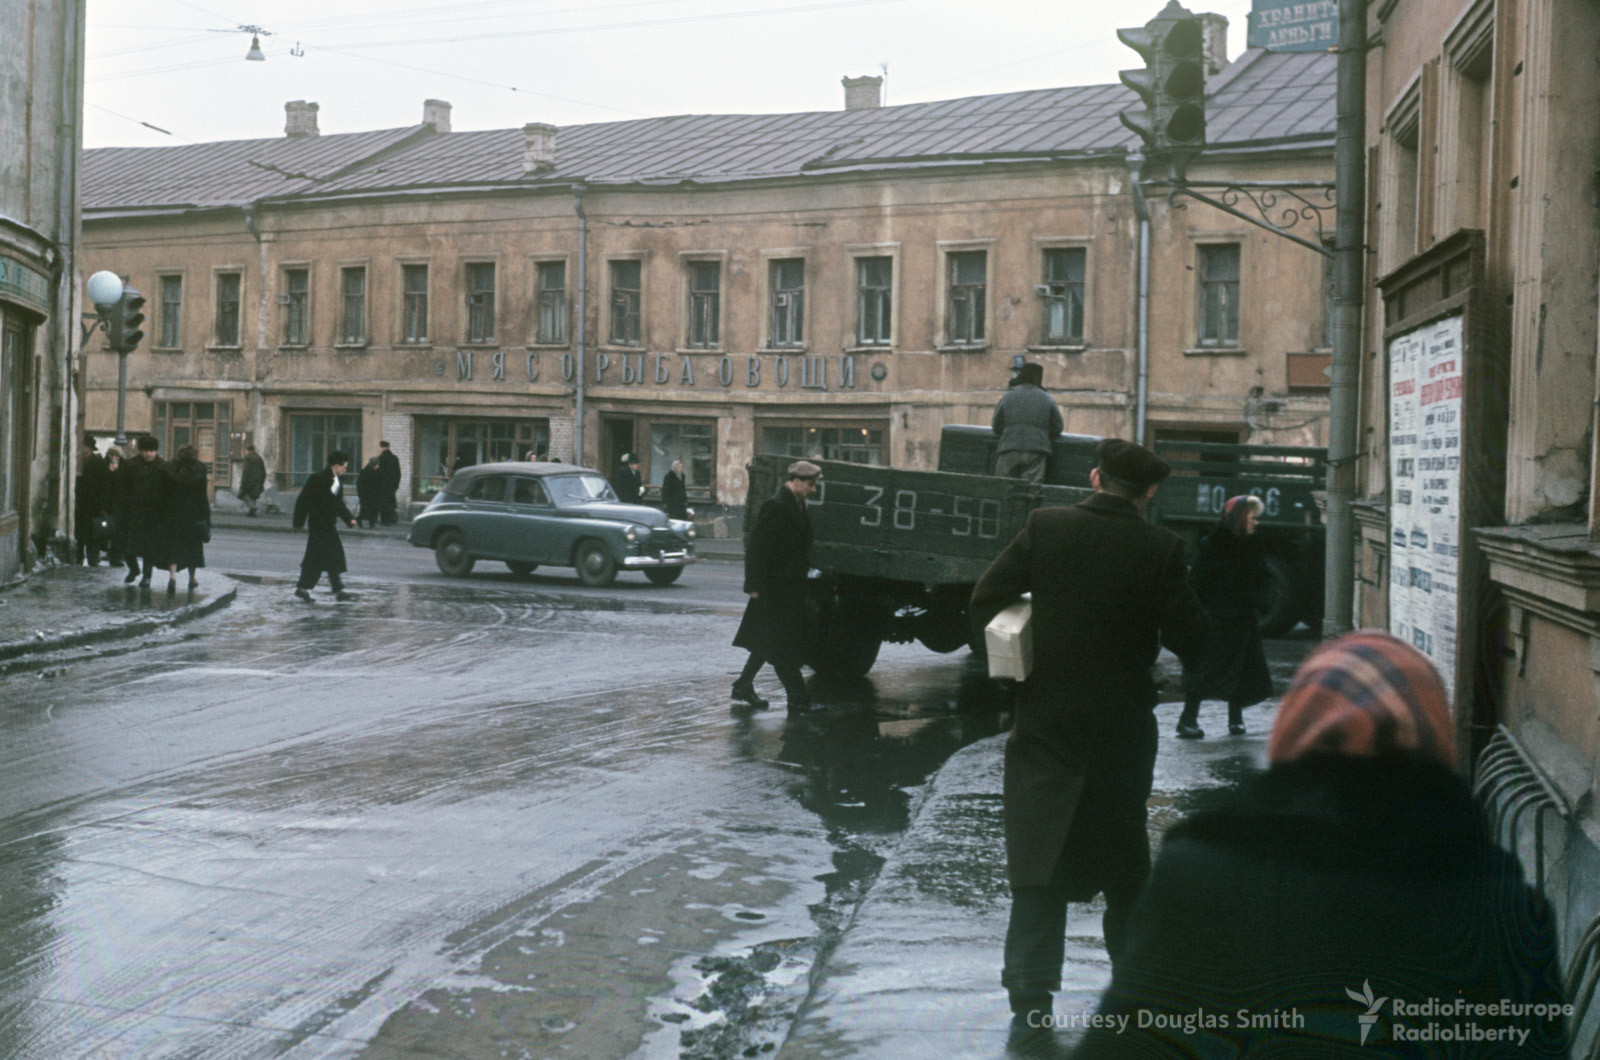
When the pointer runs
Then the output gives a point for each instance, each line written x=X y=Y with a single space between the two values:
x=897 y=552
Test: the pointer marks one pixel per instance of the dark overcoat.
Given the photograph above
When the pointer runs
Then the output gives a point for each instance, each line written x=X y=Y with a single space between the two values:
x=674 y=496
x=187 y=511
x=254 y=479
x=1108 y=588
x=777 y=559
x=93 y=498
x=369 y=489
x=144 y=497
x=320 y=509
x=1324 y=875
x=389 y=465
x=1229 y=575
x=625 y=481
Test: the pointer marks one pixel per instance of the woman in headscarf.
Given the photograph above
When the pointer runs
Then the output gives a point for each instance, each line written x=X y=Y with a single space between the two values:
x=187 y=523
x=1228 y=576
x=1330 y=899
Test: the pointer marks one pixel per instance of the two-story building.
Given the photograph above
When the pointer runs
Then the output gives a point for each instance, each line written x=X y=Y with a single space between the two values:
x=705 y=288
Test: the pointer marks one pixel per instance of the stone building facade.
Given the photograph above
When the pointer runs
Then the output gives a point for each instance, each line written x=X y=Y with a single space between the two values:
x=40 y=108
x=839 y=285
x=1485 y=228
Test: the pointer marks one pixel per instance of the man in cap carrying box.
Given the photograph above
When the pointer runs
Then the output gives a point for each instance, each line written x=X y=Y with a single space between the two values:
x=777 y=560
x=1108 y=588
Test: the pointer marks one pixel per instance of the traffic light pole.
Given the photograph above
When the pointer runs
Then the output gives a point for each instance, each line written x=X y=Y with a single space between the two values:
x=1349 y=162
x=122 y=402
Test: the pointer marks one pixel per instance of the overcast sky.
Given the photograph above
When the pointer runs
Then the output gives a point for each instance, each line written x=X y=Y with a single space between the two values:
x=179 y=64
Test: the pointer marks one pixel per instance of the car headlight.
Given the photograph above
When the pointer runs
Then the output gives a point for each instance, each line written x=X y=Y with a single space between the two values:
x=630 y=534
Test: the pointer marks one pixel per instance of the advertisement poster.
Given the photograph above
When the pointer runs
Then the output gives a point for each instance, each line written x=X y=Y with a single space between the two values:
x=1425 y=374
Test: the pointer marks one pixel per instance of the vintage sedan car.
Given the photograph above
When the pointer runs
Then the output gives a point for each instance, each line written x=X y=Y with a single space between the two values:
x=528 y=515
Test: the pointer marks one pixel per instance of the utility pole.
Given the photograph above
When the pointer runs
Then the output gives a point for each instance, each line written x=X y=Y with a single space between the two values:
x=1349 y=165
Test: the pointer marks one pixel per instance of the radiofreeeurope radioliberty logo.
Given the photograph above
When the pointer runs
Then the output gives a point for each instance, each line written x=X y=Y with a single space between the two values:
x=1374 y=1007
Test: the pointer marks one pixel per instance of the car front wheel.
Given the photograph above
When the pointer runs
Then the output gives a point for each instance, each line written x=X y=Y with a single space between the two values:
x=450 y=552
x=663 y=575
x=595 y=566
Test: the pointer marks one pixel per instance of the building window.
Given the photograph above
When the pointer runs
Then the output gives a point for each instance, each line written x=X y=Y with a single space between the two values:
x=1064 y=270
x=693 y=442
x=964 y=314
x=313 y=435
x=552 y=303
x=296 y=306
x=227 y=309
x=1219 y=295
x=414 y=299
x=855 y=443
x=874 y=293
x=171 y=312
x=625 y=291
x=445 y=446
x=353 y=328
x=787 y=283
x=480 y=301
x=705 y=303
x=206 y=425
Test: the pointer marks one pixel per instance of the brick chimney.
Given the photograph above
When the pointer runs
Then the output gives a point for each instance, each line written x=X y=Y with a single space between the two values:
x=862 y=93
x=436 y=112
x=538 y=147
x=300 y=118
x=1214 y=42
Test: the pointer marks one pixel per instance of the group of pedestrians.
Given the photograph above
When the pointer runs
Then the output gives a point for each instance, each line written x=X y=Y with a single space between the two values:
x=375 y=488
x=147 y=512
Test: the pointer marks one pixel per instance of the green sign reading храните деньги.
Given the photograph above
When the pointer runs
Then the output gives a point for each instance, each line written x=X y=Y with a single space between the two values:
x=1294 y=25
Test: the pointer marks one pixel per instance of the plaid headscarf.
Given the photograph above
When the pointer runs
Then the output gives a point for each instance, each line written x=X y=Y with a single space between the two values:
x=1365 y=694
x=1233 y=511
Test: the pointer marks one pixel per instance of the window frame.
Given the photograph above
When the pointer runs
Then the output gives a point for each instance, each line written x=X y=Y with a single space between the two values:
x=949 y=254
x=286 y=300
x=287 y=452
x=764 y=424
x=858 y=254
x=164 y=317
x=363 y=339
x=404 y=338
x=219 y=274
x=636 y=312
x=1204 y=284
x=473 y=312
x=1043 y=249
x=564 y=339
x=794 y=312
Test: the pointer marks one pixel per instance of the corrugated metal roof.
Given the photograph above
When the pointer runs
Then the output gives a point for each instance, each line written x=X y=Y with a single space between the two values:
x=1261 y=98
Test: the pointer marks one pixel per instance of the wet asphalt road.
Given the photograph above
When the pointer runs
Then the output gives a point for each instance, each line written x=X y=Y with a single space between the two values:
x=499 y=817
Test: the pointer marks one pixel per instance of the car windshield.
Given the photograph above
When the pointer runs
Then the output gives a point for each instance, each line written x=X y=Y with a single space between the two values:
x=567 y=490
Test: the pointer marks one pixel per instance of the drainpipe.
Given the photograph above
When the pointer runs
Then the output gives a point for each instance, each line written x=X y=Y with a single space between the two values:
x=583 y=319
x=1141 y=210
x=65 y=419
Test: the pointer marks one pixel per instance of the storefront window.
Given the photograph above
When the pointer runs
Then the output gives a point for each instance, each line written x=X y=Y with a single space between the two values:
x=445 y=446
x=202 y=424
x=693 y=443
x=312 y=436
x=855 y=444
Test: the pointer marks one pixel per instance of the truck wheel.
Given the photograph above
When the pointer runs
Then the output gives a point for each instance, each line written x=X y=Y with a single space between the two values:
x=450 y=553
x=596 y=568
x=1276 y=613
x=847 y=643
x=944 y=631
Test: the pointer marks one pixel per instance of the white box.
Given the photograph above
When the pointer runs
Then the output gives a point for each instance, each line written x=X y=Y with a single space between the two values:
x=1009 y=640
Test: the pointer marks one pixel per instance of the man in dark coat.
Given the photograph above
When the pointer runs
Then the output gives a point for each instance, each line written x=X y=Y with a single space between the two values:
x=626 y=479
x=1357 y=874
x=369 y=493
x=1108 y=588
x=388 y=482
x=93 y=500
x=144 y=497
x=1027 y=421
x=254 y=479
x=320 y=507
x=675 y=493
x=777 y=560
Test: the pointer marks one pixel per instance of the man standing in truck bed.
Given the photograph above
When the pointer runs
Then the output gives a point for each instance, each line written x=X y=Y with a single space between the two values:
x=1027 y=421
x=1108 y=588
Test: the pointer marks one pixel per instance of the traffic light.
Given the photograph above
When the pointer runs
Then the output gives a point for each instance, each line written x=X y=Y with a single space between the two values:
x=1172 y=85
x=125 y=321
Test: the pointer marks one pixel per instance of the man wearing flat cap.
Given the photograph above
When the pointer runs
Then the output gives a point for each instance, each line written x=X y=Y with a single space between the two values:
x=1108 y=588
x=777 y=559
x=1026 y=421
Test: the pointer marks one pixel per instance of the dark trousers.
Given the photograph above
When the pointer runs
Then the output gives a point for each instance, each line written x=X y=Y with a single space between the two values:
x=133 y=565
x=794 y=682
x=386 y=508
x=1191 y=711
x=1036 y=937
x=310 y=573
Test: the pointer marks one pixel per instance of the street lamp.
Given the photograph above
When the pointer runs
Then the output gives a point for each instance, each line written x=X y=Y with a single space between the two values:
x=106 y=290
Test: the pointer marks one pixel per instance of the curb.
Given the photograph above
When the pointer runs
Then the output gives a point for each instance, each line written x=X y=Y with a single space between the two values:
x=135 y=628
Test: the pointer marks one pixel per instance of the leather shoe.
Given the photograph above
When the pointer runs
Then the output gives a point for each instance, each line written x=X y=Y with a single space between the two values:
x=303 y=594
x=1188 y=730
x=745 y=692
x=1236 y=728
x=132 y=577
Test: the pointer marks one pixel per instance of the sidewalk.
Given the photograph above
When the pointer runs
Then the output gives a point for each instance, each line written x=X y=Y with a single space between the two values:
x=917 y=972
x=68 y=607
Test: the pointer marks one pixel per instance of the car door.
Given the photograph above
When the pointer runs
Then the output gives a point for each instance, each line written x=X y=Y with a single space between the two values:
x=533 y=519
x=486 y=523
